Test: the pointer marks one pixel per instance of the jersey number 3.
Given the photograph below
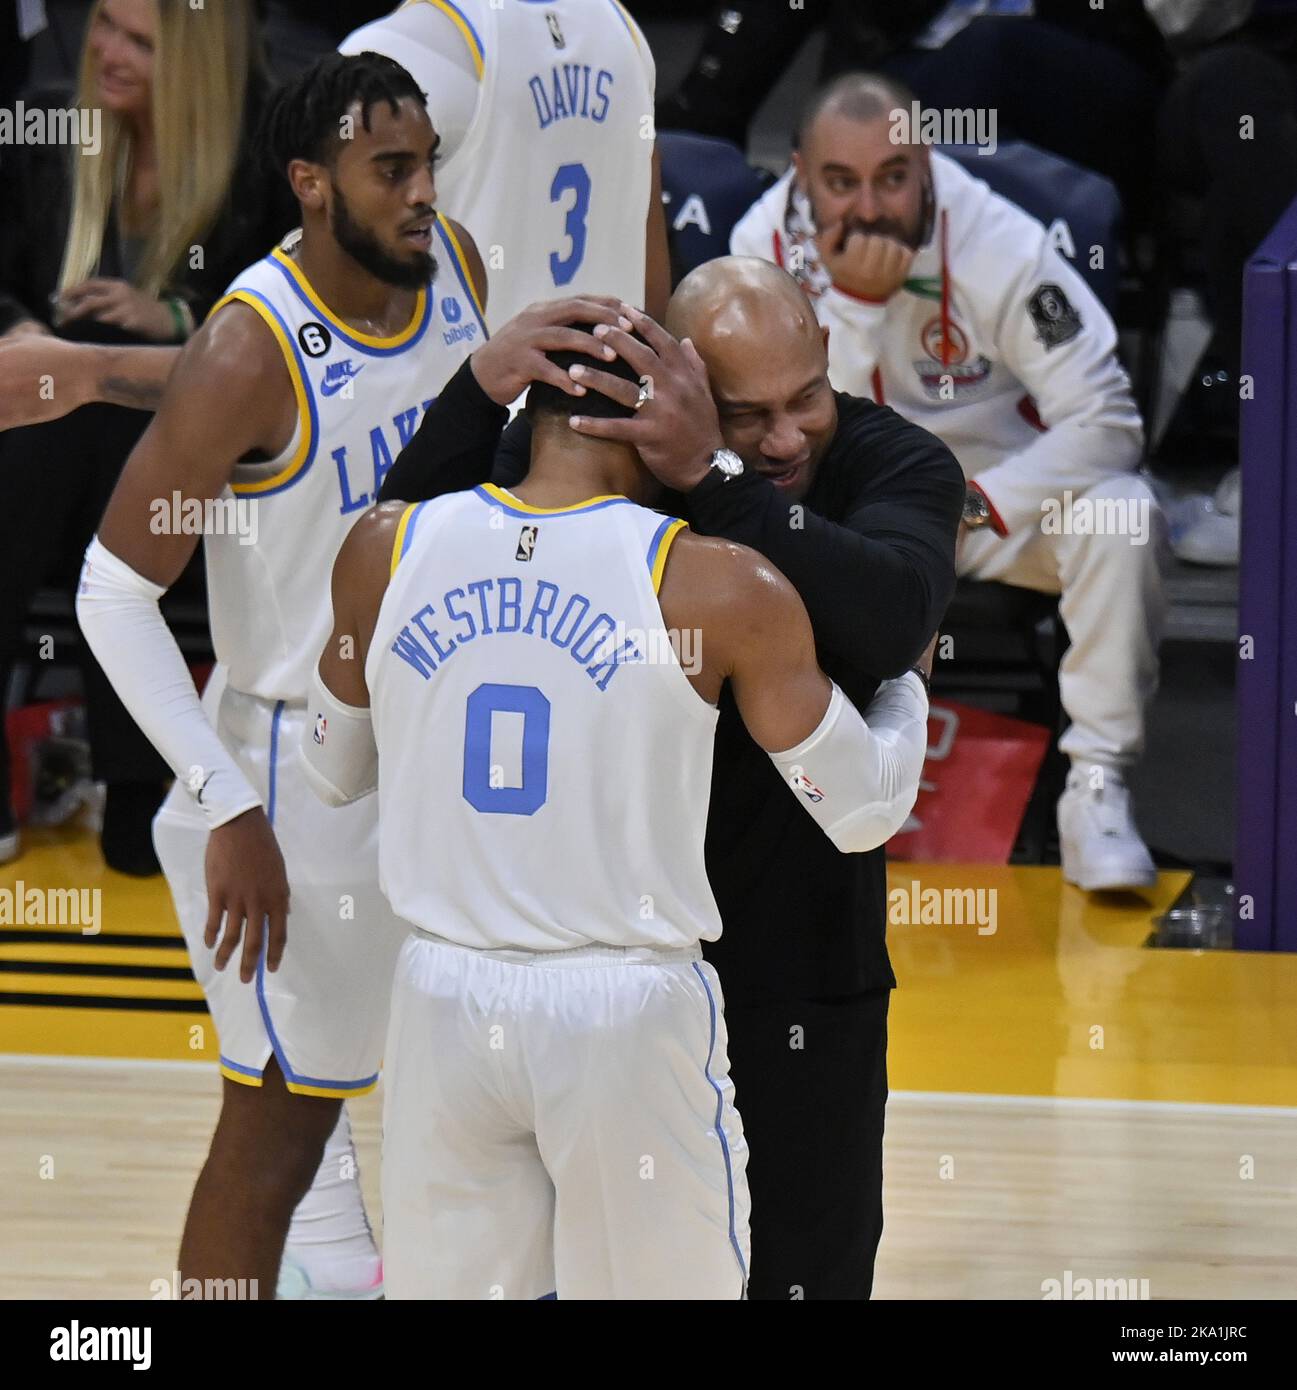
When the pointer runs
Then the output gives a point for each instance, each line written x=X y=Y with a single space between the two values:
x=575 y=178
x=484 y=774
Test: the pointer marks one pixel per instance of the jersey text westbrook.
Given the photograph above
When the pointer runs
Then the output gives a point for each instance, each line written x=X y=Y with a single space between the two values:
x=497 y=607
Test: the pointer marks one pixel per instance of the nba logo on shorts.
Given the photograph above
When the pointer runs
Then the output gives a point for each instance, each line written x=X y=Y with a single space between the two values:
x=450 y=309
x=804 y=784
x=526 y=543
x=321 y=724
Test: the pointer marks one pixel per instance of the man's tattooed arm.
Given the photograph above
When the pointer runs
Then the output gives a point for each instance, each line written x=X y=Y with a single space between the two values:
x=133 y=376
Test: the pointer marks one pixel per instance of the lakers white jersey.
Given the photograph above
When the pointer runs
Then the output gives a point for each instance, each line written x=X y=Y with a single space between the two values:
x=553 y=175
x=544 y=763
x=359 y=401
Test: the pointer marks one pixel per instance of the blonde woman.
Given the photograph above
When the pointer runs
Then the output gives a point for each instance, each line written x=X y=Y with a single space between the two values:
x=126 y=238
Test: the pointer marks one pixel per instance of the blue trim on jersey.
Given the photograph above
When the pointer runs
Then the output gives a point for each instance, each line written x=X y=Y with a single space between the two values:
x=236 y=1066
x=339 y=332
x=547 y=1297
x=656 y=542
x=554 y=515
x=460 y=275
x=276 y=1047
x=291 y=338
x=720 y=1128
x=409 y=529
x=622 y=16
x=468 y=24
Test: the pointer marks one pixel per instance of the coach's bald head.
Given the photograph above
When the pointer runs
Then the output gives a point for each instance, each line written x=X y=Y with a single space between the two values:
x=768 y=365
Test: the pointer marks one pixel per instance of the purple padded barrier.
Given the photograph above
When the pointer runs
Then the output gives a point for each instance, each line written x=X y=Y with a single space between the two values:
x=1265 y=860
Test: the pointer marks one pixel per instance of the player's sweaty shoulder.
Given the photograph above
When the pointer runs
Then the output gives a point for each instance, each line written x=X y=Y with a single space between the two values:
x=730 y=592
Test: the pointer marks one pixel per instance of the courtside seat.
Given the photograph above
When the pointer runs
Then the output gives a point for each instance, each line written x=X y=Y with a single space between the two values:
x=707 y=185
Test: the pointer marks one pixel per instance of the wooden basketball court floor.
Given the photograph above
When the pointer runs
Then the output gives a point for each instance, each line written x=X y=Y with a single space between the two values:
x=1067 y=1104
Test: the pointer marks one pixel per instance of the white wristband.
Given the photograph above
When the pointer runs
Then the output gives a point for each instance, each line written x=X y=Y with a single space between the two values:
x=122 y=624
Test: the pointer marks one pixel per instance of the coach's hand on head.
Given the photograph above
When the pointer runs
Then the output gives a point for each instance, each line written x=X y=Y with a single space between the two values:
x=246 y=882
x=677 y=429
x=508 y=362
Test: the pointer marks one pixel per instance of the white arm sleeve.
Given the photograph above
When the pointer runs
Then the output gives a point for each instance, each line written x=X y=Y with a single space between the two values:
x=123 y=626
x=859 y=777
x=339 y=755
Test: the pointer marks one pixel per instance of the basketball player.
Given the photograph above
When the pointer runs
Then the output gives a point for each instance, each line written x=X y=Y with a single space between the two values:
x=287 y=407
x=545 y=112
x=559 y=1115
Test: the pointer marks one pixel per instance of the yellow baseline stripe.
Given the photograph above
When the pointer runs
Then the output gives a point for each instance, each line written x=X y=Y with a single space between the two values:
x=85 y=952
x=158 y=1035
x=97 y=985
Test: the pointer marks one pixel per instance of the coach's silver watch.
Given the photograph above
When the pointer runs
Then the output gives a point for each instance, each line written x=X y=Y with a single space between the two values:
x=977 y=510
x=727 y=463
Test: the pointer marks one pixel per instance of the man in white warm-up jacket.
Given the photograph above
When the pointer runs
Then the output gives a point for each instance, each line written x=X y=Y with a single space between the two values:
x=951 y=305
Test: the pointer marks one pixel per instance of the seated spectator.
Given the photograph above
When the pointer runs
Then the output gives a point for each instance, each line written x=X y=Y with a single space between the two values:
x=128 y=238
x=951 y=305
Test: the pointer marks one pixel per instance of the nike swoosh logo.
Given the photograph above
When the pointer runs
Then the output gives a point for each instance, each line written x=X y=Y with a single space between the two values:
x=331 y=388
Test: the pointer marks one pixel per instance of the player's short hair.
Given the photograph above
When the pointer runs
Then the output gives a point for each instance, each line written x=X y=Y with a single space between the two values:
x=544 y=399
x=860 y=96
x=304 y=118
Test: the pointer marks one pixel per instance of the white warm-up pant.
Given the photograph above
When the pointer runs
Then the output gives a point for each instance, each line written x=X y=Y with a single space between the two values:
x=560 y=1123
x=1111 y=603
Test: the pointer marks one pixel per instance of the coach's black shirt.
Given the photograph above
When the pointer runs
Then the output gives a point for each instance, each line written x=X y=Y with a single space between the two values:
x=871 y=551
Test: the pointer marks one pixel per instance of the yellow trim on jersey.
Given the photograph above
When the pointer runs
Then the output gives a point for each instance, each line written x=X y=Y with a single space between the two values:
x=463 y=264
x=518 y=504
x=401 y=527
x=368 y=339
x=330 y=1092
x=660 y=564
x=241 y=1077
x=630 y=23
x=466 y=32
x=300 y=393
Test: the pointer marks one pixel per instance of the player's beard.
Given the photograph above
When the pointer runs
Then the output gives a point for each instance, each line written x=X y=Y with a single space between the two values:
x=365 y=249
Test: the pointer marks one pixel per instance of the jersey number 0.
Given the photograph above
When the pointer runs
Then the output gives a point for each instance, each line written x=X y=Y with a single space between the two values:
x=483 y=773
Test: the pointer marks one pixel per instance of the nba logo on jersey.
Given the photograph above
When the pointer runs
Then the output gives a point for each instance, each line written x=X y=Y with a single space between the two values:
x=554 y=31
x=526 y=543
x=321 y=724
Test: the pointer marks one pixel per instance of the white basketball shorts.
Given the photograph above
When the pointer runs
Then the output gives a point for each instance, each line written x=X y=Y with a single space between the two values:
x=560 y=1124
x=323 y=1013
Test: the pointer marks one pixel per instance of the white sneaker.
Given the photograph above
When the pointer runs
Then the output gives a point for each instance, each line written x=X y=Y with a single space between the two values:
x=1227 y=494
x=1101 y=848
x=1202 y=533
x=9 y=846
x=295 y=1284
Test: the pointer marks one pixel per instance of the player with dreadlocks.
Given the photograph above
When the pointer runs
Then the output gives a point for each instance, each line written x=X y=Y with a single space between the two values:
x=278 y=423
